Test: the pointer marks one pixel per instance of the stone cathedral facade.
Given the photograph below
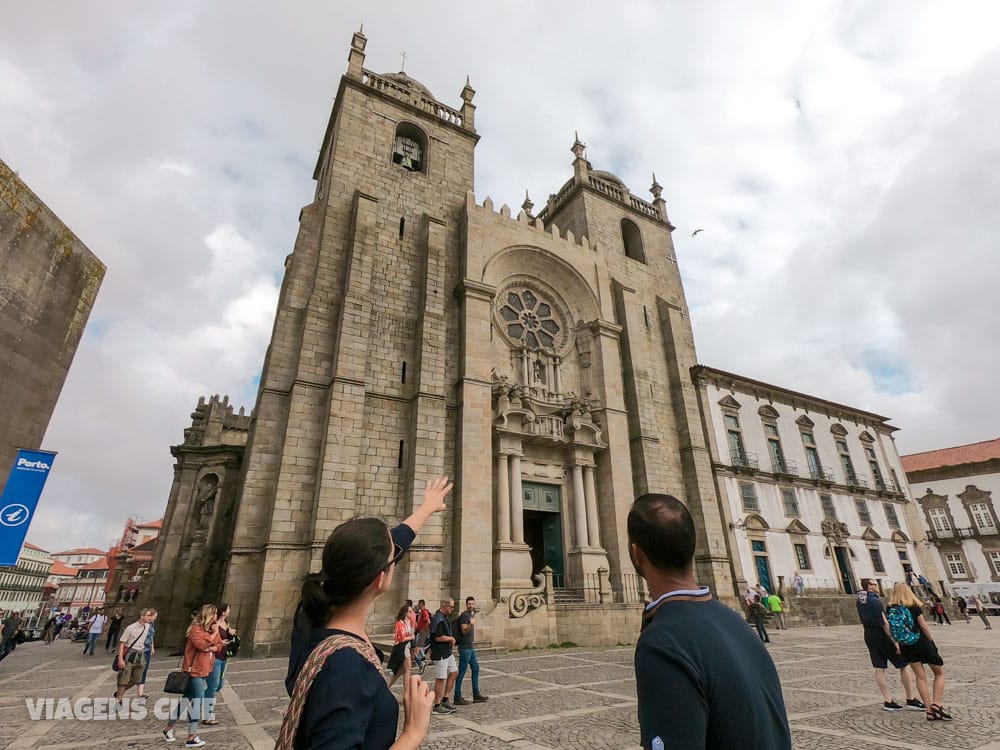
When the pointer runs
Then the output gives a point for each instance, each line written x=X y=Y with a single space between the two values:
x=540 y=359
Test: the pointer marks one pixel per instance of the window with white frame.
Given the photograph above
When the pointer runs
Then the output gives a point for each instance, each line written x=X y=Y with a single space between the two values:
x=956 y=566
x=828 y=510
x=940 y=521
x=748 y=492
x=863 y=515
x=994 y=558
x=790 y=503
x=981 y=516
x=890 y=516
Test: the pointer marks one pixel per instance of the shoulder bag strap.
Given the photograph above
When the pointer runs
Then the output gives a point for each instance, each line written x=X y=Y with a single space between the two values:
x=307 y=675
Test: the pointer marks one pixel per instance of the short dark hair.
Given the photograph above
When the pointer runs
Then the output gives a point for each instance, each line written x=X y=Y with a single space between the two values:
x=470 y=599
x=662 y=527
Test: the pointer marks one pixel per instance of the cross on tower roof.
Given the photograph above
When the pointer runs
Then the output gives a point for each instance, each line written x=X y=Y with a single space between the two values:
x=403 y=66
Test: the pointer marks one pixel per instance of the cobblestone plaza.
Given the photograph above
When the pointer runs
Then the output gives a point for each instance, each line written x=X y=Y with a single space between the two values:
x=559 y=698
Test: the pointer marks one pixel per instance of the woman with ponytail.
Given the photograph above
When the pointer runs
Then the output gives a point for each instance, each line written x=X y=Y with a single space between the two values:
x=339 y=697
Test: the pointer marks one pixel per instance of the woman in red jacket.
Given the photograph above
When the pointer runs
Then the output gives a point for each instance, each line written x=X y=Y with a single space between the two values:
x=203 y=642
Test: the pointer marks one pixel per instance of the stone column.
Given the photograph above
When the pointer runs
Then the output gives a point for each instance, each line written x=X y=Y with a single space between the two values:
x=503 y=499
x=579 y=506
x=516 y=500
x=590 y=492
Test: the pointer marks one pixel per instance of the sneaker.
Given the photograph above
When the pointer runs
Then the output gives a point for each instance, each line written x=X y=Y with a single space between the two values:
x=460 y=701
x=891 y=706
x=915 y=704
x=168 y=735
x=479 y=699
x=440 y=708
x=195 y=741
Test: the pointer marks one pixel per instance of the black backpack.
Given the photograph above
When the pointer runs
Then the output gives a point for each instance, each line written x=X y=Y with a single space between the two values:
x=234 y=645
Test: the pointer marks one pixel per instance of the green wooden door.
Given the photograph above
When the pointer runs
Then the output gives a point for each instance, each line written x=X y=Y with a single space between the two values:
x=543 y=525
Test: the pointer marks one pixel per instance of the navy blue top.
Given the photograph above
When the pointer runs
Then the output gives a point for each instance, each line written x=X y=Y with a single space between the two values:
x=440 y=625
x=349 y=706
x=870 y=610
x=705 y=680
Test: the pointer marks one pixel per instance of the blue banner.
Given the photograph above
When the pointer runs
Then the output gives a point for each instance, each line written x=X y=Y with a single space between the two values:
x=19 y=500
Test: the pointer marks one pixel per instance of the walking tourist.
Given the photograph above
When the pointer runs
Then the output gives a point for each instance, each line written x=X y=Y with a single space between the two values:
x=131 y=657
x=911 y=632
x=882 y=649
x=981 y=611
x=799 y=584
x=114 y=629
x=963 y=608
x=215 y=680
x=95 y=631
x=442 y=657
x=8 y=631
x=940 y=613
x=402 y=642
x=202 y=644
x=339 y=697
x=757 y=614
x=148 y=651
x=50 y=630
x=467 y=654
x=773 y=604
x=702 y=678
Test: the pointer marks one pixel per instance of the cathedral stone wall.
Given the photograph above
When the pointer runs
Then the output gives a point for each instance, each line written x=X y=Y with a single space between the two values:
x=48 y=284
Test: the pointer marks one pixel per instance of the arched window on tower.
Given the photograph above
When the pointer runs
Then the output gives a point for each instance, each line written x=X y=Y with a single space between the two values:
x=632 y=239
x=409 y=148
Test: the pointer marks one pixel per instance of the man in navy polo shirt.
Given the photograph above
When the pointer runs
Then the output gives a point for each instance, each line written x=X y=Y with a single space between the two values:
x=703 y=678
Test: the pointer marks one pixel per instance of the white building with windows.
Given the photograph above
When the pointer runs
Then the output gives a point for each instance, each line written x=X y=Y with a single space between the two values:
x=957 y=488
x=80 y=556
x=22 y=585
x=807 y=485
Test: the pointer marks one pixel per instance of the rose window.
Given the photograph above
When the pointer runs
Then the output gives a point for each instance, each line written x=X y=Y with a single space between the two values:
x=529 y=320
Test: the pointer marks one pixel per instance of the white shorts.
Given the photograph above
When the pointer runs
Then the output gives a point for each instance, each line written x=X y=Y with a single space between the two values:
x=444 y=667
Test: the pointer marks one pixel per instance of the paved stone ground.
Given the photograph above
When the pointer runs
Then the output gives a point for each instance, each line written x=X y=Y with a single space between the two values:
x=565 y=698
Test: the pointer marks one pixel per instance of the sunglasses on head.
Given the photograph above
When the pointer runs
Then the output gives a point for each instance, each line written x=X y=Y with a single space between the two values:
x=397 y=554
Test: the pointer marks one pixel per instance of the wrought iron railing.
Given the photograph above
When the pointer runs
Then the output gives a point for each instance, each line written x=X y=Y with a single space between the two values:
x=818 y=472
x=743 y=460
x=784 y=466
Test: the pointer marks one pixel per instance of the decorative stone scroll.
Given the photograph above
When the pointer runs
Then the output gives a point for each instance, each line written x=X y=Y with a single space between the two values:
x=522 y=602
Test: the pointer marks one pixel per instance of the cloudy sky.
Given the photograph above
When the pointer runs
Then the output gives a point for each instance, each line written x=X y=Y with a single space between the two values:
x=841 y=159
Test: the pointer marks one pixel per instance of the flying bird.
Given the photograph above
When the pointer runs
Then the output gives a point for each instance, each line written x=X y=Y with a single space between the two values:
x=696 y=232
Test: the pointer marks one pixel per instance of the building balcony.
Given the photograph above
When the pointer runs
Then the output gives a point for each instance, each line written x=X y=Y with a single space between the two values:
x=853 y=480
x=744 y=460
x=785 y=466
x=820 y=474
x=962 y=532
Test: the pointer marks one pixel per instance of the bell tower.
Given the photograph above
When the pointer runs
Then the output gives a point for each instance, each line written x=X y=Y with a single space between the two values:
x=351 y=414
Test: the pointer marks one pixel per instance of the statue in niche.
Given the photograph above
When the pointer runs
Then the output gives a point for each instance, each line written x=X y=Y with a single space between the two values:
x=539 y=371
x=207 y=491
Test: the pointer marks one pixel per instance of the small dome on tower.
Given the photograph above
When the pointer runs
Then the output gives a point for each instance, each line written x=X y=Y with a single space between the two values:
x=609 y=177
x=411 y=83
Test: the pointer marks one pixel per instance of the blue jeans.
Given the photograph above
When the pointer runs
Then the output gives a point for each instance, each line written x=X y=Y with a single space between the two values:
x=145 y=670
x=91 y=642
x=467 y=658
x=761 y=630
x=214 y=681
x=192 y=702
